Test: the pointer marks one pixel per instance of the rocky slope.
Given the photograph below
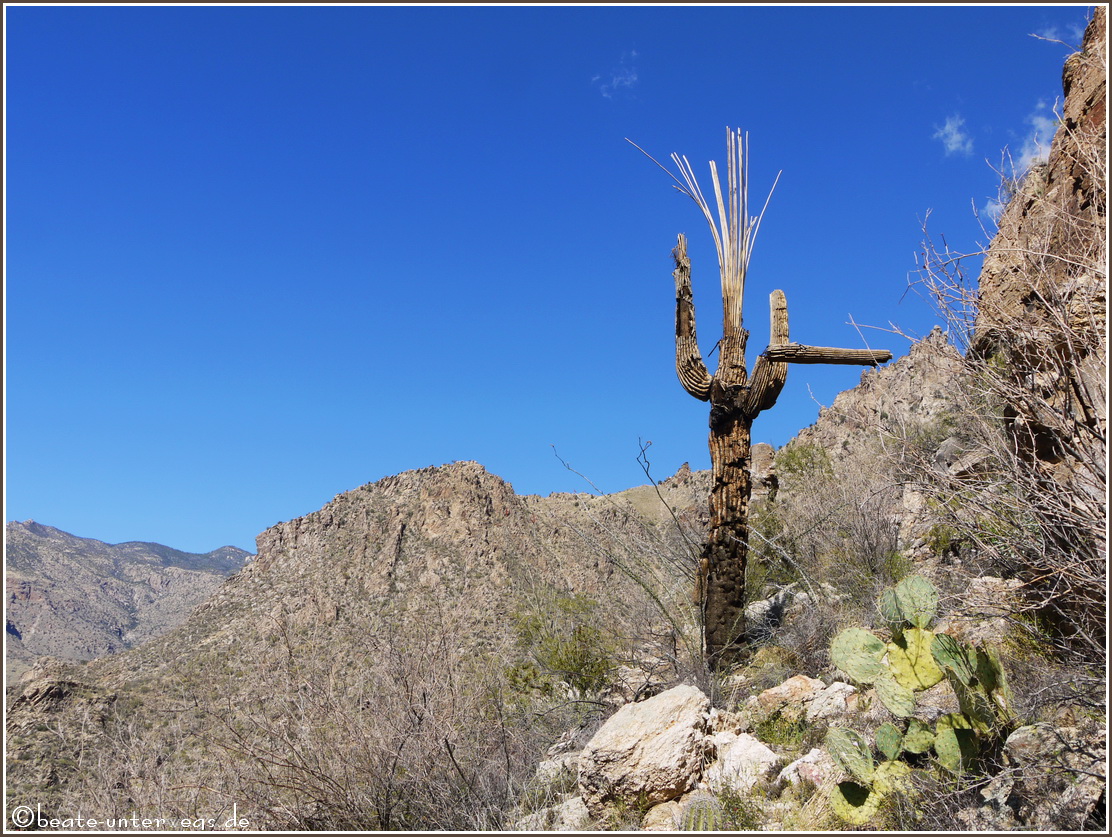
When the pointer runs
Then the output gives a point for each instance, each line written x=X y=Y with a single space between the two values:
x=78 y=598
x=443 y=561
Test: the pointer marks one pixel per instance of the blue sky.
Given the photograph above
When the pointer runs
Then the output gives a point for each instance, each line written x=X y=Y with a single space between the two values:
x=259 y=256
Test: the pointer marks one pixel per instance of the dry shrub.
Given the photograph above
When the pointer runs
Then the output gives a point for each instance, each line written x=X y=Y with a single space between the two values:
x=1030 y=495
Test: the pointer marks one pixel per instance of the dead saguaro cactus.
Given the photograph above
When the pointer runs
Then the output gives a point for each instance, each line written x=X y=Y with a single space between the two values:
x=736 y=396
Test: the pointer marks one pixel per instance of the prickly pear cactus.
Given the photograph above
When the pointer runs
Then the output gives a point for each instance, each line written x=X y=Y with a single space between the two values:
x=859 y=654
x=851 y=752
x=889 y=740
x=911 y=661
x=917 y=600
x=854 y=803
x=916 y=659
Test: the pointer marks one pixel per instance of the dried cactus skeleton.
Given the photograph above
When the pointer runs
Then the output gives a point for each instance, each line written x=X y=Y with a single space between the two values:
x=736 y=396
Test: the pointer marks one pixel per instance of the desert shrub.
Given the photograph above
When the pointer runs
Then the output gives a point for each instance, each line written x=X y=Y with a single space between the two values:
x=1031 y=398
x=801 y=463
x=560 y=642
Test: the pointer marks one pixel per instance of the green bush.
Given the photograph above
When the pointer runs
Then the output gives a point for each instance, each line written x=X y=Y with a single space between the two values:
x=561 y=644
x=800 y=462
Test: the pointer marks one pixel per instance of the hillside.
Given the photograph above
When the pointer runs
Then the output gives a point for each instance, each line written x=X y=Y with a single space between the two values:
x=444 y=561
x=78 y=598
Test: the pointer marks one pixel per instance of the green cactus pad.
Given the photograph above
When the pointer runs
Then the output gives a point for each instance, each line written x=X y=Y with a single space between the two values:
x=919 y=737
x=976 y=705
x=858 y=653
x=1000 y=692
x=917 y=600
x=851 y=752
x=890 y=609
x=990 y=671
x=891 y=777
x=952 y=720
x=889 y=740
x=955 y=658
x=854 y=803
x=909 y=657
x=898 y=699
x=955 y=743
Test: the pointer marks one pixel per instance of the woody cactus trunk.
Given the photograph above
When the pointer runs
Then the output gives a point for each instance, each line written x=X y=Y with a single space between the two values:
x=736 y=397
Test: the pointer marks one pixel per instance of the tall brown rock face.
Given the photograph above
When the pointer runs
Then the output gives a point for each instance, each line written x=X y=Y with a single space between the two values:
x=1043 y=286
x=1041 y=330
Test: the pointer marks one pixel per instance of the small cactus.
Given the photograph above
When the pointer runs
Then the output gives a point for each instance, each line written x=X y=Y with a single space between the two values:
x=703 y=815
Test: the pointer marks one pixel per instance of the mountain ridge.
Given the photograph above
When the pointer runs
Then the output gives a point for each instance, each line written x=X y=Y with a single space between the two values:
x=79 y=598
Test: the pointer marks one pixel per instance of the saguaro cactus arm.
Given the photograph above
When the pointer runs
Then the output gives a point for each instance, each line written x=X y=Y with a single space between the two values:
x=689 y=361
x=769 y=376
x=798 y=353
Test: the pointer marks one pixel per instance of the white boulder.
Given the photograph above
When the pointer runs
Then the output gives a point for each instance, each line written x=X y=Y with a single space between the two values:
x=651 y=751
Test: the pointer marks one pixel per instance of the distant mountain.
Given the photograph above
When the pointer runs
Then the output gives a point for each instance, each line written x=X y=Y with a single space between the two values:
x=78 y=598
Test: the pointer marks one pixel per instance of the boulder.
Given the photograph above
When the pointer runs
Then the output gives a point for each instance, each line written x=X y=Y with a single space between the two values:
x=569 y=815
x=791 y=697
x=742 y=762
x=815 y=767
x=667 y=816
x=835 y=701
x=554 y=770
x=651 y=751
x=1055 y=781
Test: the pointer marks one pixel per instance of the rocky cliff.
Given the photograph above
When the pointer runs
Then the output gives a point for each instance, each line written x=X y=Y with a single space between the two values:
x=1042 y=297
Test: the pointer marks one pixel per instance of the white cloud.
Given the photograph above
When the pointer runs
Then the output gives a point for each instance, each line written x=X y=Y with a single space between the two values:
x=622 y=77
x=954 y=139
x=1071 y=35
x=993 y=208
x=1036 y=146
